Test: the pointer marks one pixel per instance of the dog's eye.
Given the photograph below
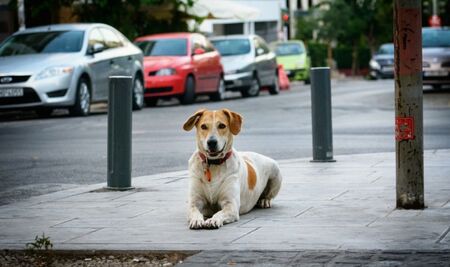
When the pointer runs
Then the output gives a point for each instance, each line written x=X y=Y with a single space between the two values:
x=204 y=127
x=222 y=126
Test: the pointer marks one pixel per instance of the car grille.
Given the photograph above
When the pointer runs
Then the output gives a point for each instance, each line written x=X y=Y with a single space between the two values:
x=29 y=96
x=14 y=79
x=384 y=62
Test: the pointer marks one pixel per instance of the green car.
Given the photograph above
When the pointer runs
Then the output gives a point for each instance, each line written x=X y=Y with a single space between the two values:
x=294 y=58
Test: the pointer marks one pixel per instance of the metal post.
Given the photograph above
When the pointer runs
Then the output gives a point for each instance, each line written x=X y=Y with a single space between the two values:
x=408 y=104
x=21 y=14
x=321 y=115
x=119 y=133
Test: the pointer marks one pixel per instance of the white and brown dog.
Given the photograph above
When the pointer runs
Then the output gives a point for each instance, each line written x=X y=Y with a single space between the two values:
x=223 y=182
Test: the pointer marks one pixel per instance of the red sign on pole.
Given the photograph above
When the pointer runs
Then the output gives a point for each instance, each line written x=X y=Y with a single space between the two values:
x=434 y=21
x=404 y=128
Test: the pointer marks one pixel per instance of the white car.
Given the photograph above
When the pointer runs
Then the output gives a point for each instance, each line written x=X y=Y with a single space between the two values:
x=66 y=65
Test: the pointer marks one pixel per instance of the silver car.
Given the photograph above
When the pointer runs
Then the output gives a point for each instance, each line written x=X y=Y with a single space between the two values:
x=436 y=56
x=66 y=65
x=248 y=64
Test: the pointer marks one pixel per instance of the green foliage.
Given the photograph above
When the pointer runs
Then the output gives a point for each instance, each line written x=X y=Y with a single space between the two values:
x=318 y=54
x=355 y=27
x=40 y=243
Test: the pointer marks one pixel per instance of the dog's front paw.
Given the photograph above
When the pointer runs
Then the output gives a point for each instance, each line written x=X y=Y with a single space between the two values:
x=196 y=223
x=264 y=203
x=213 y=223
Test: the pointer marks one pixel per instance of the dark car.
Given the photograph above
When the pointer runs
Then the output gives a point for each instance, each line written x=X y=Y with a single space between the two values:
x=436 y=56
x=249 y=64
x=382 y=63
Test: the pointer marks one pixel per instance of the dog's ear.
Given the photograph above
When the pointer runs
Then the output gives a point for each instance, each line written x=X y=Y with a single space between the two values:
x=192 y=121
x=235 y=120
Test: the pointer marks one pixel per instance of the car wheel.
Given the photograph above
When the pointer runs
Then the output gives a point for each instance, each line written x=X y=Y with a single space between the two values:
x=138 y=94
x=274 y=89
x=307 y=81
x=151 y=102
x=82 y=99
x=252 y=90
x=189 y=91
x=44 y=112
x=220 y=94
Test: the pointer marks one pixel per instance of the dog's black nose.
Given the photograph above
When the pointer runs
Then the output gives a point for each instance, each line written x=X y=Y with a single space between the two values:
x=212 y=144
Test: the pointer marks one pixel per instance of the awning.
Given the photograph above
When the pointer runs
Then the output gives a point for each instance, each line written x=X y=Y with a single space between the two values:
x=222 y=9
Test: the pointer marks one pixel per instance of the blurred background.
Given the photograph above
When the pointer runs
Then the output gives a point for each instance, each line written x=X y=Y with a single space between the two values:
x=343 y=34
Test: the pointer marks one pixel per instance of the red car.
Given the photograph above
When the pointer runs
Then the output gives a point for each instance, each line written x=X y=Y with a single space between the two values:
x=181 y=65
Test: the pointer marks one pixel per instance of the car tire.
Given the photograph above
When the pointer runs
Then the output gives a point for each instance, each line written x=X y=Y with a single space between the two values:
x=274 y=89
x=307 y=81
x=220 y=94
x=82 y=104
x=138 y=94
x=252 y=90
x=151 y=102
x=44 y=112
x=189 y=91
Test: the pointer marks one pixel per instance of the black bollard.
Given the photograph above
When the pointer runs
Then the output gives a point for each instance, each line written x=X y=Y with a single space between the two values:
x=119 y=133
x=321 y=115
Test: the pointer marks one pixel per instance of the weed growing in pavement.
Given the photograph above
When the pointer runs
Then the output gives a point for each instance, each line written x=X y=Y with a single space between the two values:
x=40 y=243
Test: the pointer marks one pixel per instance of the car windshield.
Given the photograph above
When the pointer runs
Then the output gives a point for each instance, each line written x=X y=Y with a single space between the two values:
x=164 y=47
x=232 y=47
x=436 y=38
x=42 y=43
x=386 y=49
x=288 y=49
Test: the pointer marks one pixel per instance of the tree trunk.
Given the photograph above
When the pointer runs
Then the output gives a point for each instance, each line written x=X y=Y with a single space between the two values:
x=354 y=59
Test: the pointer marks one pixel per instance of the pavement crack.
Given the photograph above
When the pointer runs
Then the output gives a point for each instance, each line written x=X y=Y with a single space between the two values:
x=66 y=221
x=378 y=178
x=444 y=234
x=303 y=212
x=85 y=234
x=339 y=195
x=244 y=235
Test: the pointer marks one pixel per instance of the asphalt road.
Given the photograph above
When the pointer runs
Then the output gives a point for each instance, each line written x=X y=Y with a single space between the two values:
x=44 y=155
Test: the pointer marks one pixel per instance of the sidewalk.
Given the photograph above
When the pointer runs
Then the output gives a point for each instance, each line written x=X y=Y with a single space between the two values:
x=346 y=205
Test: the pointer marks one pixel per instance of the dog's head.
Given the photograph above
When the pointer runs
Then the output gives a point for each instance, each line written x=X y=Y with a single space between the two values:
x=215 y=130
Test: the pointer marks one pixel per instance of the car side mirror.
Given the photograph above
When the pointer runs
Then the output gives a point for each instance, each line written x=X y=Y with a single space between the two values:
x=259 y=51
x=199 y=51
x=96 y=48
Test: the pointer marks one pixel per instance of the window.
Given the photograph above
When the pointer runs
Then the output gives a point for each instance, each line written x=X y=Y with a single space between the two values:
x=232 y=47
x=95 y=37
x=287 y=49
x=43 y=42
x=111 y=39
x=164 y=47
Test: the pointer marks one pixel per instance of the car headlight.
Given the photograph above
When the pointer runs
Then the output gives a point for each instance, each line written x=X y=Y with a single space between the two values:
x=374 y=64
x=231 y=72
x=425 y=64
x=54 y=71
x=165 y=72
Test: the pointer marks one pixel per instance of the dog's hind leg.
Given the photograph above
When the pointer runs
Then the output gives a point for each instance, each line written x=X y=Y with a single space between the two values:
x=272 y=188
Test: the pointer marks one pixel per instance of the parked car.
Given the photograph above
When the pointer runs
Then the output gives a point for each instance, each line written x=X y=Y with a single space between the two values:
x=382 y=63
x=249 y=64
x=436 y=56
x=294 y=58
x=181 y=65
x=66 y=65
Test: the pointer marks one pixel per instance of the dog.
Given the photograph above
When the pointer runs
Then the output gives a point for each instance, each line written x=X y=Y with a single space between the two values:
x=225 y=183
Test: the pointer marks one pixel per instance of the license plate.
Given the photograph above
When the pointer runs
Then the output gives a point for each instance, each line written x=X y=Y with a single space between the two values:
x=436 y=73
x=387 y=69
x=11 y=92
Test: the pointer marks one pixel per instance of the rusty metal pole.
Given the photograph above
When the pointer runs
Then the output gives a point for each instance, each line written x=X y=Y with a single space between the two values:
x=408 y=104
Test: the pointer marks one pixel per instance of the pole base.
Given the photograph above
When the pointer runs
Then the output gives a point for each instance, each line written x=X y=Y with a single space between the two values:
x=322 y=160
x=118 y=188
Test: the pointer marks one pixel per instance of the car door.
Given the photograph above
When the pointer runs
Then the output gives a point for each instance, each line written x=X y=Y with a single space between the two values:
x=215 y=67
x=200 y=62
x=98 y=64
x=265 y=62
